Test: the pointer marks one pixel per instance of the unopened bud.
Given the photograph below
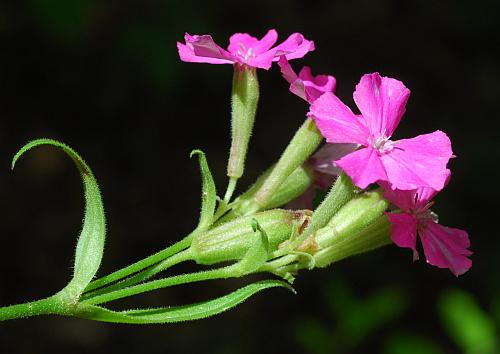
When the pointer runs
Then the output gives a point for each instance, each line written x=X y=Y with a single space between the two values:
x=244 y=100
x=293 y=186
x=358 y=227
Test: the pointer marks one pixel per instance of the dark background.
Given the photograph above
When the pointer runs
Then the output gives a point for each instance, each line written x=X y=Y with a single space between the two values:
x=105 y=78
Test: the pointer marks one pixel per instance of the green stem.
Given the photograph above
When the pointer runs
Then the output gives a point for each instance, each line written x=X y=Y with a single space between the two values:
x=305 y=141
x=342 y=191
x=220 y=273
x=230 y=189
x=144 y=263
x=50 y=305
x=271 y=266
x=142 y=275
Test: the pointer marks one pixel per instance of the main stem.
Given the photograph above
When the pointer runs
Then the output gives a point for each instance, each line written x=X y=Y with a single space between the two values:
x=50 y=305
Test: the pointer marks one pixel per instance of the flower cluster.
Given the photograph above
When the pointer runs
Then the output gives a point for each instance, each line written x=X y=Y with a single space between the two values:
x=410 y=171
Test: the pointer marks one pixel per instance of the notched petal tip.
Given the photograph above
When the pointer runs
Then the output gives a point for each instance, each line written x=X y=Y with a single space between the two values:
x=446 y=247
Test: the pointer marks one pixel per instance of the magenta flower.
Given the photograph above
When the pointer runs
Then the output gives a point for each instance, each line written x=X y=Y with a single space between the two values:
x=406 y=164
x=305 y=85
x=243 y=49
x=444 y=247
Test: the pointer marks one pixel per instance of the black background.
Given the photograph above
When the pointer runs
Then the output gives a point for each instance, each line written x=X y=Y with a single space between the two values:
x=105 y=78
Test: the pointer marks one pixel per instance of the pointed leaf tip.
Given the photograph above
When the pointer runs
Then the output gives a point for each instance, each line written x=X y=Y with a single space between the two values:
x=208 y=194
x=80 y=163
x=255 y=225
x=196 y=152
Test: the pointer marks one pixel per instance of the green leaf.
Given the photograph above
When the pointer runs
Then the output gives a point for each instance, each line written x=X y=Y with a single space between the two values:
x=208 y=192
x=179 y=313
x=90 y=246
x=471 y=328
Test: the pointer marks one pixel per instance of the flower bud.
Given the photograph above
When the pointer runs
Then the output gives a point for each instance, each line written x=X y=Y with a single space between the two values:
x=375 y=235
x=295 y=185
x=358 y=227
x=244 y=100
x=230 y=241
x=353 y=217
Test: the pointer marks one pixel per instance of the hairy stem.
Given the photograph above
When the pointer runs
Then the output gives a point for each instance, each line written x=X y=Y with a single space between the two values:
x=220 y=273
x=142 y=275
x=50 y=305
x=142 y=264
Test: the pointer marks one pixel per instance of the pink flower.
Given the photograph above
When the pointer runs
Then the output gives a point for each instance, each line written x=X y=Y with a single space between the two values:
x=444 y=247
x=306 y=86
x=243 y=49
x=406 y=164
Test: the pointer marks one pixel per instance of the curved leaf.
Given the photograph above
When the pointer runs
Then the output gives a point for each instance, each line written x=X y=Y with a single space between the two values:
x=90 y=245
x=179 y=313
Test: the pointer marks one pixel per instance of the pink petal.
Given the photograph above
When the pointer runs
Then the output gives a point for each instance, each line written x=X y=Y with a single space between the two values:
x=306 y=86
x=266 y=42
x=426 y=194
x=403 y=199
x=404 y=231
x=315 y=86
x=202 y=49
x=382 y=102
x=295 y=46
x=262 y=61
x=410 y=200
x=419 y=162
x=363 y=166
x=296 y=85
x=324 y=159
x=336 y=121
x=446 y=247
x=240 y=43
x=286 y=70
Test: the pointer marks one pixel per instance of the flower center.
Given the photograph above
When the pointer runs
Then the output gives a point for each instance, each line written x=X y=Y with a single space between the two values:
x=383 y=144
x=425 y=214
x=245 y=53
